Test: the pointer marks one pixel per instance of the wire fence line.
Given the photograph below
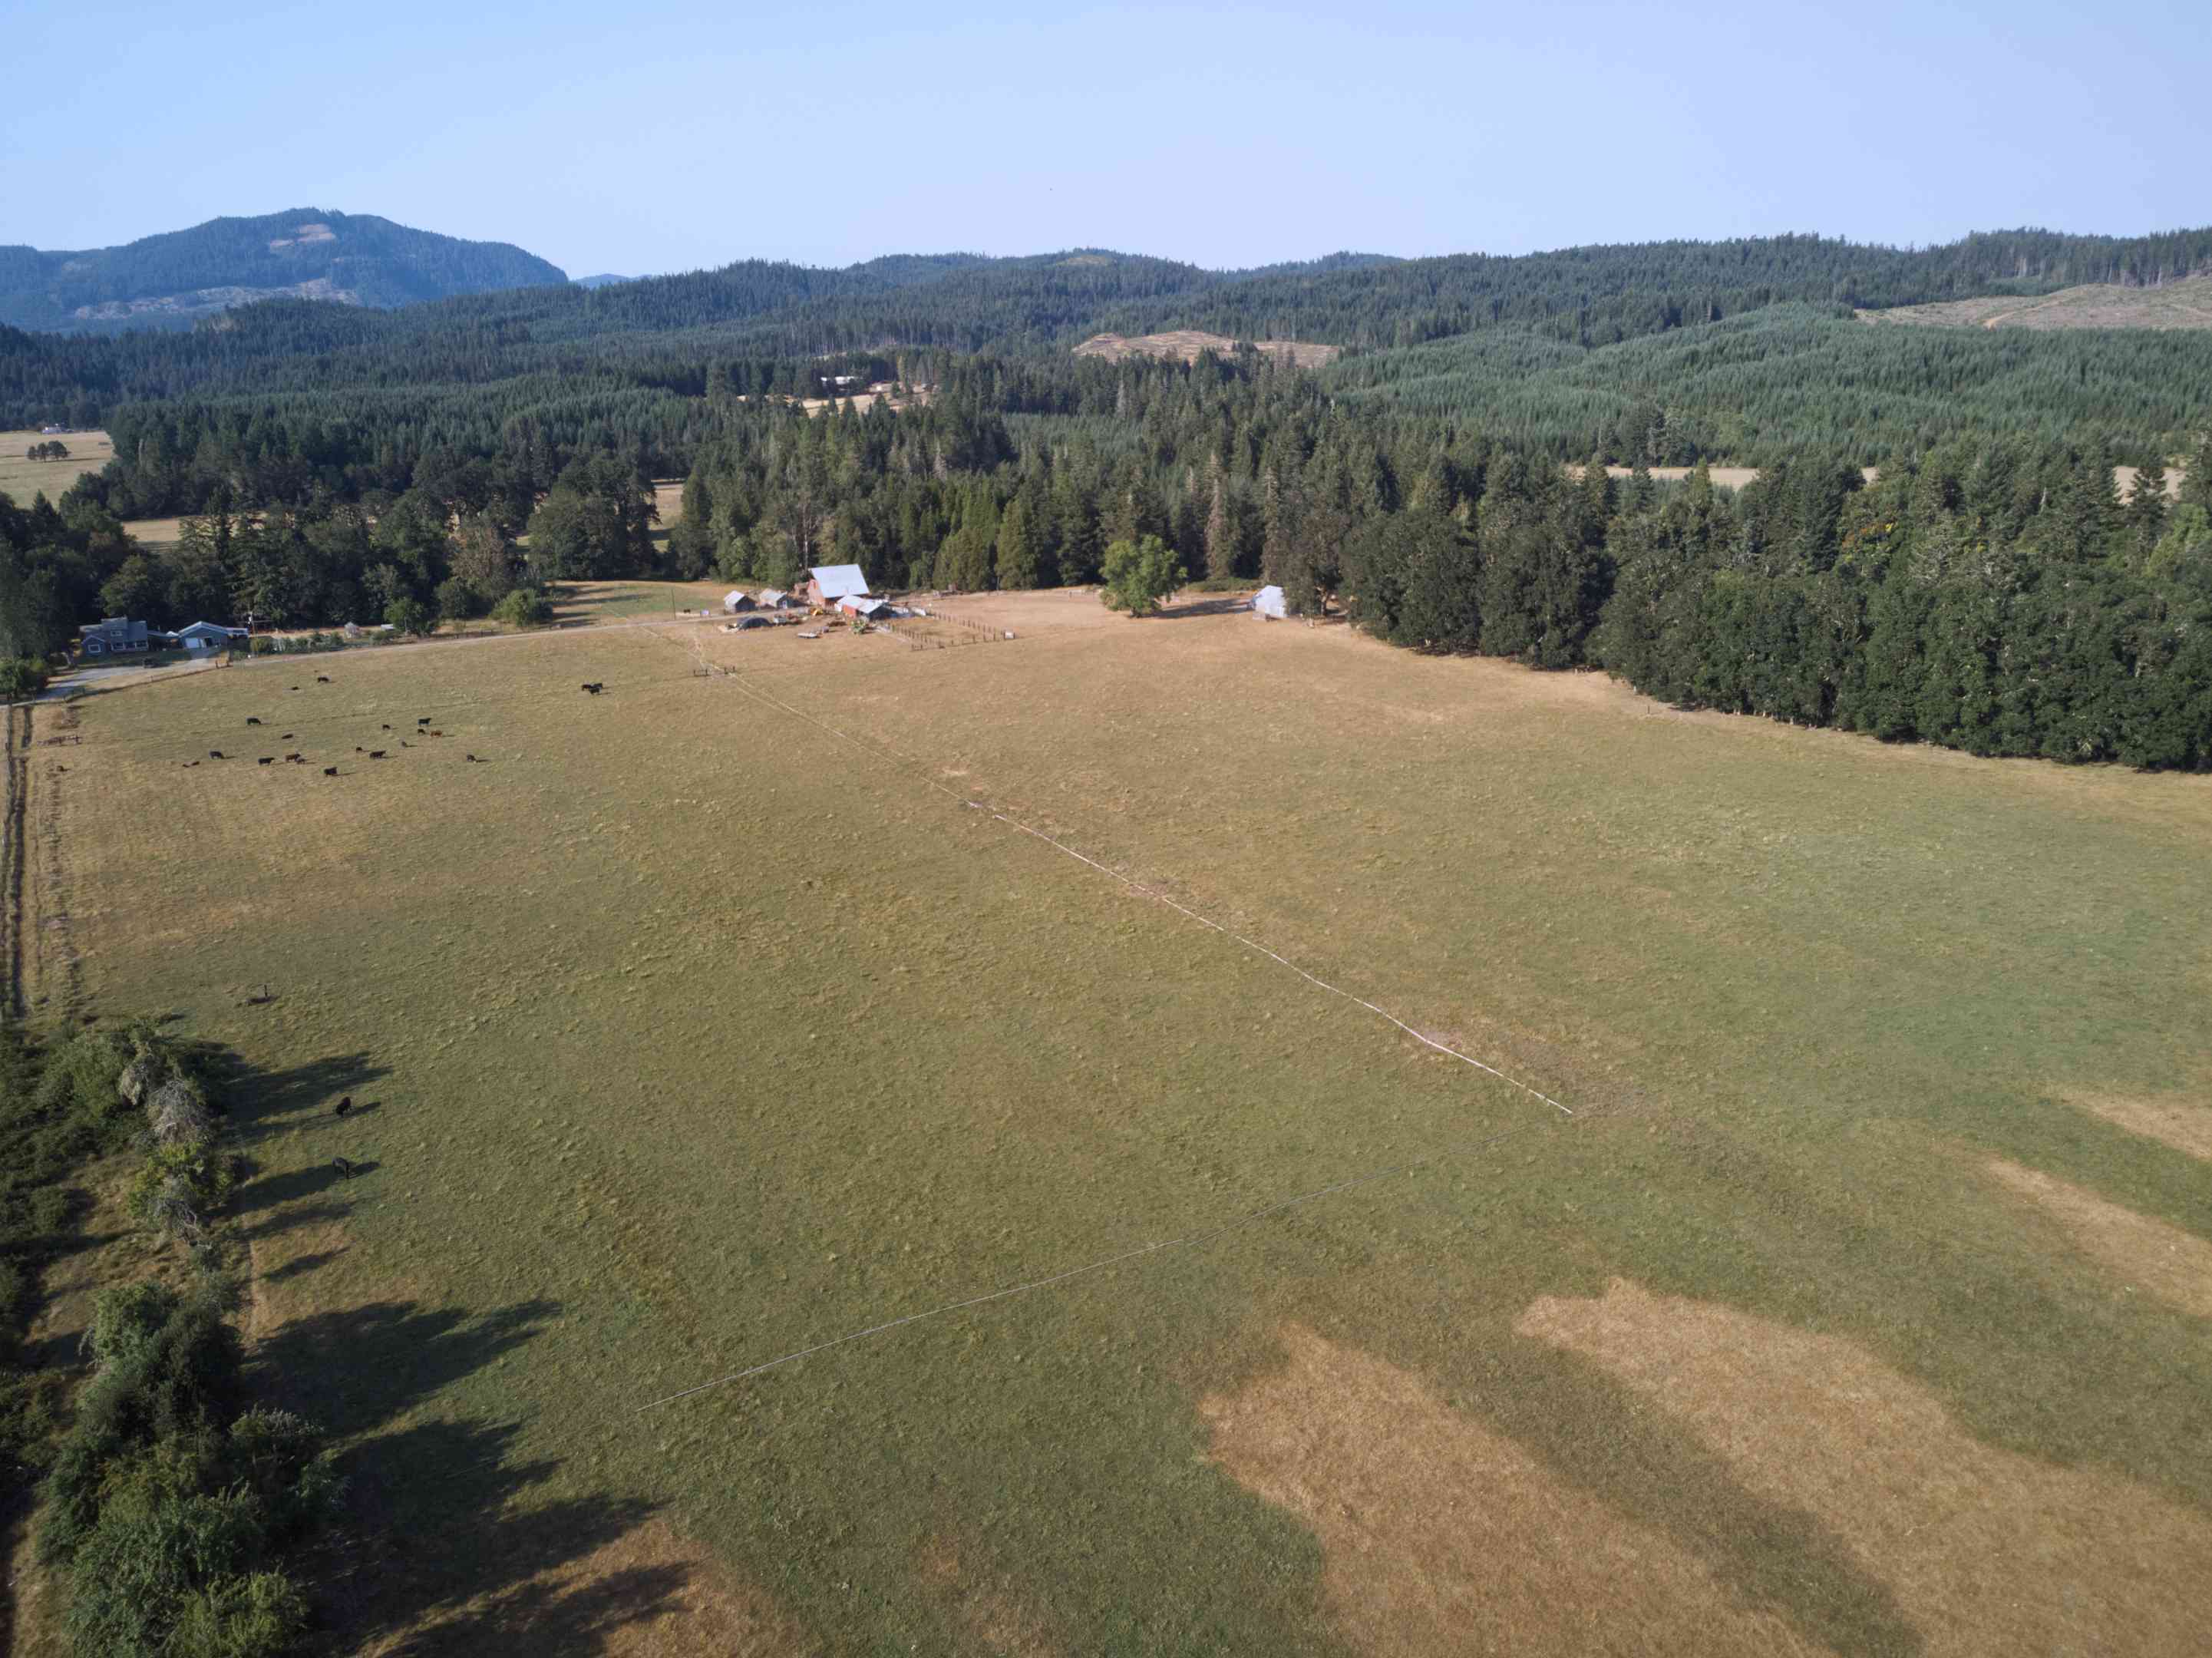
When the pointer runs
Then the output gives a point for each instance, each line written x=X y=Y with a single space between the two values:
x=1187 y=1240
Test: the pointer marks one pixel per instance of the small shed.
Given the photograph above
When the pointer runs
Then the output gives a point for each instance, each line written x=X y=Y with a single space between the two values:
x=737 y=599
x=860 y=604
x=1268 y=602
x=828 y=583
x=774 y=598
x=114 y=635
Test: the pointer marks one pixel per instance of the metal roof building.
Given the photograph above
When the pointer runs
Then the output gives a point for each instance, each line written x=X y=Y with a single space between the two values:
x=828 y=583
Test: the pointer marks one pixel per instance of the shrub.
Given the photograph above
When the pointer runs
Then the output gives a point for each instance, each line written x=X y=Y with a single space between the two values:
x=524 y=607
x=409 y=615
x=458 y=600
x=21 y=676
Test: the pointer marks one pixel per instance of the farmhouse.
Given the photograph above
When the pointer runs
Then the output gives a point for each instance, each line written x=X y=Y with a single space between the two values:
x=115 y=636
x=208 y=636
x=737 y=599
x=826 y=583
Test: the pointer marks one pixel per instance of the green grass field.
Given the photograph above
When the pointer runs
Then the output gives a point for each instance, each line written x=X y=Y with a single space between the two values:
x=698 y=1037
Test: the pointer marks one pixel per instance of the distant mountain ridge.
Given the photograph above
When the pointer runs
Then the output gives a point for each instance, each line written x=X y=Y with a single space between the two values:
x=175 y=279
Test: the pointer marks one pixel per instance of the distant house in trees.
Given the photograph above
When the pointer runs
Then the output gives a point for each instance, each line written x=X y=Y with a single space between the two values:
x=737 y=599
x=115 y=636
x=826 y=583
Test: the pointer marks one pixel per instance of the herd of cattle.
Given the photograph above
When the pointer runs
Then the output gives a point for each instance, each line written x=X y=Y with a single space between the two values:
x=422 y=728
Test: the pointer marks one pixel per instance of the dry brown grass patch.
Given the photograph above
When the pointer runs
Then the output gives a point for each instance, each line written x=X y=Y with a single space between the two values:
x=1442 y=1536
x=2159 y=1260
x=2186 y=1128
x=1987 y=1551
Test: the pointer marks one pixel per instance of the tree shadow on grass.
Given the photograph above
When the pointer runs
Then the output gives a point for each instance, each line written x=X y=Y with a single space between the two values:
x=446 y=1545
x=1595 y=1433
x=260 y=1102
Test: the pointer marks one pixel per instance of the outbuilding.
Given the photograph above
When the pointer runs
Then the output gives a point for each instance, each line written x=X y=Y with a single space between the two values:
x=208 y=636
x=860 y=604
x=737 y=599
x=774 y=598
x=826 y=583
x=1269 y=602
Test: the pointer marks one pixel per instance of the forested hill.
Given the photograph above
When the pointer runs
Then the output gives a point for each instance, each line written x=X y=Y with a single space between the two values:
x=658 y=329
x=173 y=280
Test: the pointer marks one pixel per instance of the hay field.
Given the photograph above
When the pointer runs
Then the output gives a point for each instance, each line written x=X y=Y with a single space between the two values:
x=2184 y=304
x=22 y=480
x=698 y=1037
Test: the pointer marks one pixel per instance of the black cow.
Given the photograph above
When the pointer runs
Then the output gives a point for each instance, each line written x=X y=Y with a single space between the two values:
x=330 y=771
x=250 y=721
x=266 y=760
x=344 y=1105
x=376 y=754
x=215 y=754
x=322 y=679
x=423 y=719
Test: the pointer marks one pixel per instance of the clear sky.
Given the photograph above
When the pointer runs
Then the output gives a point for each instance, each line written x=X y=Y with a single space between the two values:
x=653 y=137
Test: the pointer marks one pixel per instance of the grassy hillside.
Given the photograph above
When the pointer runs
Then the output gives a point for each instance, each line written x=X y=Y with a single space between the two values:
x=174 y=279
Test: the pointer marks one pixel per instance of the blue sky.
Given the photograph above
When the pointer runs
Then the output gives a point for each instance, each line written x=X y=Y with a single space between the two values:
x=672 y=136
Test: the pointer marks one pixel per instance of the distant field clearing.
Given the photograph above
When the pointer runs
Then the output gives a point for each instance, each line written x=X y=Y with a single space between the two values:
x=23 y=478
x=1187 y=343
x=2184 y=304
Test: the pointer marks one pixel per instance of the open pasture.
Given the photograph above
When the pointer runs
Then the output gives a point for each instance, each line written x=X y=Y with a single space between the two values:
x=695 y=1034
x=23 y=479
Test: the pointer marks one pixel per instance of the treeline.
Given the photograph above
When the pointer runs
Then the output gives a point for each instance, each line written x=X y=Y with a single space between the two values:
x=1997 y=598
x=1593 y=296
x=175 y=1502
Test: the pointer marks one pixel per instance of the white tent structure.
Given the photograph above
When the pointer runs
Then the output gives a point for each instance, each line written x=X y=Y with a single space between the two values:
x=1269 y=602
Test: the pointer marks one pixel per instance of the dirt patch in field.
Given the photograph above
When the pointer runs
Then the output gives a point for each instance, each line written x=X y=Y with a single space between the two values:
x=2159 y=1260
x=1442 y=1536
x=993 y=1619
x=1987 y=1551
x=652 y=1593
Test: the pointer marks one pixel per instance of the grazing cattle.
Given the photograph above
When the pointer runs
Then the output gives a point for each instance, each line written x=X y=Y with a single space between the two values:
x=404 y=744
x=595 y=687
x=330 y=771
x=215 y=754
x=347 y=1167
x=290 y=735
x=292 y=688
x=422 y=720
x=322 y=679
x=437 y=733
x=345 y=1104
x=295 y=755
x=266 y=760
x=376 y=754
x=384 y=728
x=250 y=721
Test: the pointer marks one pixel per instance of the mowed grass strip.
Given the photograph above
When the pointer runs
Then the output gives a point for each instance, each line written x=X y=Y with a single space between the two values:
x=697 y=1036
